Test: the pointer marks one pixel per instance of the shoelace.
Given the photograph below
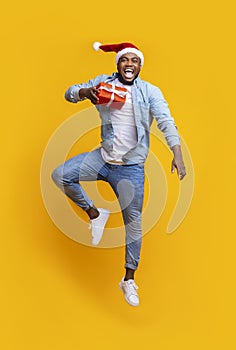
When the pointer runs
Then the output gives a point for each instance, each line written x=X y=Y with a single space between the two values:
x=131 y=286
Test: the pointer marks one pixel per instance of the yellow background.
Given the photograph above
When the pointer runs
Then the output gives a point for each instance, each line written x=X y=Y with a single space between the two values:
x=58 y=294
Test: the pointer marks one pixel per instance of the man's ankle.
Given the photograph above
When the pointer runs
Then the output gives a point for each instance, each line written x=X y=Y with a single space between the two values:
x=129 y=274
x=93 y=213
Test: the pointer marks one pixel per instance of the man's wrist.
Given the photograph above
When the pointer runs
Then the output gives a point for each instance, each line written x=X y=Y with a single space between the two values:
x=177 y=151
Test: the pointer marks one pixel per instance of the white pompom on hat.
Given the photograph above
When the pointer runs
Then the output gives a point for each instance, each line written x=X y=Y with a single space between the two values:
x=120 y=50
x=96 y=45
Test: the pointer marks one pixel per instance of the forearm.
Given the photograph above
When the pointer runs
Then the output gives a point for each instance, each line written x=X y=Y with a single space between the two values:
x=166 y=123
x=74 y=93
x=77 y=92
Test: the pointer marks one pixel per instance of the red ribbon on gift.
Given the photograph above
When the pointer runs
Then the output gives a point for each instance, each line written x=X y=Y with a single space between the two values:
x=111 y=95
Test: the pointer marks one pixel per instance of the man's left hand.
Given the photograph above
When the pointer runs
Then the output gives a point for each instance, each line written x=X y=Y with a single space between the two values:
x=177 y=162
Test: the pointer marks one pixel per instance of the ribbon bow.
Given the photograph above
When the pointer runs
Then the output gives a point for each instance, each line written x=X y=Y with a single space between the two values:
x=113 y=90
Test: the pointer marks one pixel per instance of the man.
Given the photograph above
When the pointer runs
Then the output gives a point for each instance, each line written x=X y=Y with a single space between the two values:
x=120 y=159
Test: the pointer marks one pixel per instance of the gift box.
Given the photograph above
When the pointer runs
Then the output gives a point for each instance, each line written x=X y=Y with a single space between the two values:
x=111 y=95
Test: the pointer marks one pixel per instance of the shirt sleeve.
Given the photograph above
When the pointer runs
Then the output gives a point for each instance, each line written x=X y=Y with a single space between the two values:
x=165 y=122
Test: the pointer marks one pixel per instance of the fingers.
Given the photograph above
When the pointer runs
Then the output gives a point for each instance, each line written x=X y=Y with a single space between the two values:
x=181 y=172
x=173 y=167
x=179 y=165
x=181 y=176
x=92 y=95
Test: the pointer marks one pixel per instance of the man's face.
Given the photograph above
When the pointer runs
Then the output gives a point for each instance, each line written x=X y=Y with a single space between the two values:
x=129 y=66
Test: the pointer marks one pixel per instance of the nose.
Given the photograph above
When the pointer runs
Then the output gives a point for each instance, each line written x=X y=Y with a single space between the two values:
x=129 y=62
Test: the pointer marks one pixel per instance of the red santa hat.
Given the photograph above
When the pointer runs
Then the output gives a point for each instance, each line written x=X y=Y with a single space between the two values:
x=120 y=50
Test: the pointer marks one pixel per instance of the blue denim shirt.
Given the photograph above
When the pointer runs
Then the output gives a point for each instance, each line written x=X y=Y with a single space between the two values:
x=148 y=103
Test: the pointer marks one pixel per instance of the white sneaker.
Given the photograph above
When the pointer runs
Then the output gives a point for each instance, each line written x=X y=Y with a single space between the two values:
x=97 y=225
x=129 y=289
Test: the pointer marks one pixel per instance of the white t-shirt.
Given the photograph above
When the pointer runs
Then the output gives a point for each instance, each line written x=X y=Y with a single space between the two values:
x=125 y=132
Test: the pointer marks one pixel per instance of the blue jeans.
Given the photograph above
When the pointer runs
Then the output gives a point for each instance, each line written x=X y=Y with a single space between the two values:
x=127 y=181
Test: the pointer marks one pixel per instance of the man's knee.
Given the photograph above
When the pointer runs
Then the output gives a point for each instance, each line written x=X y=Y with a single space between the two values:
x=132 y=216
x=57 y=176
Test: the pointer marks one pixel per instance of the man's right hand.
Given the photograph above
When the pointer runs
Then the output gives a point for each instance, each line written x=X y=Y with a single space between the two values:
x=89 y=93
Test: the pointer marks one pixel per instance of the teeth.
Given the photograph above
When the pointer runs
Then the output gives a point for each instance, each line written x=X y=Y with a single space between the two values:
x=128 y=74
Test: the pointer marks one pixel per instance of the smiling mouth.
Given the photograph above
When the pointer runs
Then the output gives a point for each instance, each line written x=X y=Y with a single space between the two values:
x=128 y=73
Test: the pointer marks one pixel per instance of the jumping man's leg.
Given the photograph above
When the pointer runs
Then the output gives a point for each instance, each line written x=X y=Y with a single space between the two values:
x=128 y=184
x=84 y=167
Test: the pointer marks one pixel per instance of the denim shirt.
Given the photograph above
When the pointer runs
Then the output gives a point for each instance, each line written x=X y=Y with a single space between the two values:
x=148 y=103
